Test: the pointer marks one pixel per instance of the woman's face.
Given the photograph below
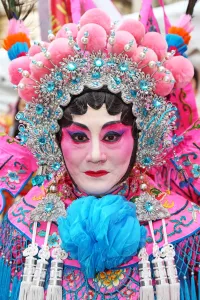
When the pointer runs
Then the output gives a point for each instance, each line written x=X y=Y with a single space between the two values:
x=97 y=150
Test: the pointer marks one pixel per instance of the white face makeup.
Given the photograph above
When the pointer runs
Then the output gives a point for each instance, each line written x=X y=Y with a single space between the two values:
x=97 y=149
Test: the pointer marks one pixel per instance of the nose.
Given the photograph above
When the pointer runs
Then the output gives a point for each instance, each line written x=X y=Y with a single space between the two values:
x=96 y=154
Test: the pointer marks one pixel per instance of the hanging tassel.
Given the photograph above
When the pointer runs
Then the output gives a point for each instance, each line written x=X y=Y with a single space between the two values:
x=193 y=288
x=15 y=289
x=37 y=287
x=146 y=288
x=29 y=266
x=7 y=280
x=168 y=253
x=54 y=291
x=186 y=289
x=182 y=294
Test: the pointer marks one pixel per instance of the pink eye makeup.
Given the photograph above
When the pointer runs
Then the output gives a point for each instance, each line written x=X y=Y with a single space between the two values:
x=78 y=136
x=113 y=136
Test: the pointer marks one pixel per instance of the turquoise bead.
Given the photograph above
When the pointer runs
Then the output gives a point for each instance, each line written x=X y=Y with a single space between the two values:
x=143 y=85
x=148 y=206
x=39 y=109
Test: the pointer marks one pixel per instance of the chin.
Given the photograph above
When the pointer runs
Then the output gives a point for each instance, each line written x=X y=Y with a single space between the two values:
x=97 y=190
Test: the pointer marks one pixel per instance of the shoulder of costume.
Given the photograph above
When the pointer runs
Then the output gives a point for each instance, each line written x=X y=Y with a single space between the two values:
x=17 y=165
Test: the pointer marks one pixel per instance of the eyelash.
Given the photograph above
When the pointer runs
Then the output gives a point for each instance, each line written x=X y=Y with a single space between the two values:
x=75 y=137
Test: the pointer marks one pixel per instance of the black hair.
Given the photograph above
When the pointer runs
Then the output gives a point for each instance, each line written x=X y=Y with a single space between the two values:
x=196 y=78
x=114 y=105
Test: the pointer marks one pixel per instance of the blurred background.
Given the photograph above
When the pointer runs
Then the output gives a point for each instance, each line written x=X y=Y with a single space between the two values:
x=43 y=17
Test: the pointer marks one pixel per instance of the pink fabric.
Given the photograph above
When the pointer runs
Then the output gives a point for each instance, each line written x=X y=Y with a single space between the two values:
x=17 y=165
x=147 y=16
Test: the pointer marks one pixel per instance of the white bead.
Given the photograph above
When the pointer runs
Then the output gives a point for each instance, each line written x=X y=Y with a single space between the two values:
x=25 y=74
x=152 y=64
x=143 y=186
x=161 y=69
x=21 y=86
x=111 y=41
x=166 y=79
x=71 y=43
x=47 y=55
x=127 y=47
x=51 y=37
x=142 y=55
x=84 y=40
x=40 y=64
x=141 y=177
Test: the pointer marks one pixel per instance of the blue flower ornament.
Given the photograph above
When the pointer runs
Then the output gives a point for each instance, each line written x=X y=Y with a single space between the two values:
x=101 y=233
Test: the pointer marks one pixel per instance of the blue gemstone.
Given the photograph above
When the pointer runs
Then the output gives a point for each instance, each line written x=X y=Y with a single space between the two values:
x=133 y=93
x=49 y=176
x=42 y=140
x=56 y=166
x=58 y=75
x=111 y=62
x=76 y=80
x=39 y=109
x=59 y=93
x=132 y=74
x=147 y=161
x=50 y=86
x=98 y=62
x=76 y=47
x=71 y=66
x=53 y=127
x=156 y=102
x=150 y=142
x=38 y=180
x=49 y=207
x=96 y=75
x=20 y=116
x=144 y=112
x=23 y=138
x=123 y=67
x=143 y=85
x=148 y=206
x=117 y=80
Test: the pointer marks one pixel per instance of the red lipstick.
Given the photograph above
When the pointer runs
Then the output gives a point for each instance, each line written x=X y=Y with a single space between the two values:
x=97 y=173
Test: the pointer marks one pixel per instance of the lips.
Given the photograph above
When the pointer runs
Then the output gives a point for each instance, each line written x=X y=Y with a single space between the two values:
x=97 y=173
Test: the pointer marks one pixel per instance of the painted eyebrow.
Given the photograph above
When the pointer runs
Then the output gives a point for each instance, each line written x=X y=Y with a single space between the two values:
x=110 y=123
x=81 y=125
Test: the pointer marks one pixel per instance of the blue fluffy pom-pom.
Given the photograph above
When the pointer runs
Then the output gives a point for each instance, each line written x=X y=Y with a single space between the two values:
x=101 y=233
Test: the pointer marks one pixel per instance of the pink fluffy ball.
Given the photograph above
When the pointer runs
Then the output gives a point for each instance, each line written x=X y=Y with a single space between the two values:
x=60 y=49
x=144 y=58
x=156 y=42
x=182 y=70
x=28 y=91
x=63 y=33
x=22 y=62
x=136 y=28
x=163 y=86
x=122 y=38
x=96 y=16
x=96 y=38
x=34 y=49
x=37 y=72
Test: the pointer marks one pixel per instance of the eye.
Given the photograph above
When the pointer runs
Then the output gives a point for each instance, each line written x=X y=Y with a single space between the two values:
x=112 y=137
x=79 y=137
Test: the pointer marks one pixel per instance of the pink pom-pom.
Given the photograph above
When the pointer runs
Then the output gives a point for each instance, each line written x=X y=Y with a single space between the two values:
x=96 y=16
x=60 y=49
x=136 y=28
x=156 y=42
x=165 y=83
x=22 y=62
x=28 y=91
x=146 y=58
x=34 y=49
x=37 y=68
x=122 y=40
x=182 y=70
x=63 y=32
x=92 y=37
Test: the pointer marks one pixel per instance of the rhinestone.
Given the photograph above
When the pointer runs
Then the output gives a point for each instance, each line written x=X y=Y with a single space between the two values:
x=49 y=207
x=147 y=161
x=38 y=180
x=143 y=186
x=76 y=47
x=148 y=206
x=71 y=66
x=50 y=86
x=133 y=93
x=96 y=75
x=76 y=80
x=59 y=94
x=56 y=166
x=98 y=62
x=123 y=67
x=117 y=80
x=58 y=75
x=143 y=85
x=156 y=102
x=42 y=140
x=39 y=109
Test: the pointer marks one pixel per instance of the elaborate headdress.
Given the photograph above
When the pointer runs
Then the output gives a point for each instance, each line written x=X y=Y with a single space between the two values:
x=94 y=54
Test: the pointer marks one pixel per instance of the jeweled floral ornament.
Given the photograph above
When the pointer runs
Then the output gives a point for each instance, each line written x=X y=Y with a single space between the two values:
x=125 y=60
